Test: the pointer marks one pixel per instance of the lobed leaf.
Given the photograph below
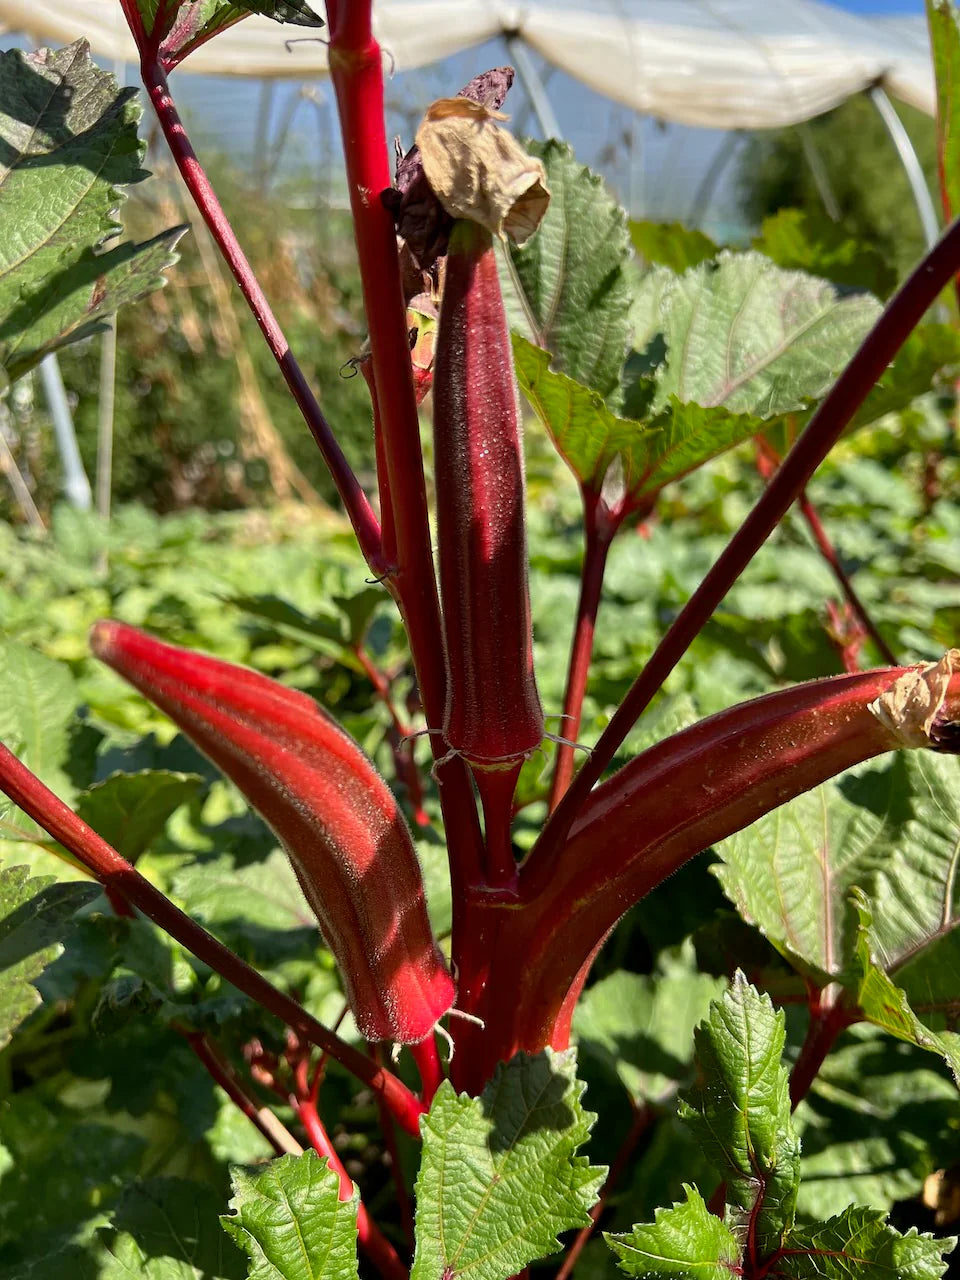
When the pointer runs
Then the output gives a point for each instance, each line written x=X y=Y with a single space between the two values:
x=591 y=439
x=291 y=1221
x=68 y=141
x=944 y=24
x=498 y=1175
x=671 y=244
x=739 y=1109
x=687 y=1240
x=571 y=285
x=800 y=240
x=754 y=338
x=860 y=1243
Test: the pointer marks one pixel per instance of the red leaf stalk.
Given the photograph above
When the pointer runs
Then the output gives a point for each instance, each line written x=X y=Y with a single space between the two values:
x=331 y=810
x=112 y=871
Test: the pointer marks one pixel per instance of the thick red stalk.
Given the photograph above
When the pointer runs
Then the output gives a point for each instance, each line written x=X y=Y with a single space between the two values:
x=354 y=499
x=106 y=865
x=357 y=75
x=826 y=1024
x=901 y=315
x=371 y=1239
x=333 y=813
x=658 y=811
x=599 y=531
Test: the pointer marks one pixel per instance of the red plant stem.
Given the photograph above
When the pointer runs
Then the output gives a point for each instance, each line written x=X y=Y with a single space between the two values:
x=497 y=788
x=354 y=499
x=827 y=1021
x=829 y=553
x=428 y=1064
x=901 y=315
x=282 y=1142
x=355 y=63
x=642 y=1118
x=599 y=531
x=404 y=757
x=107 y=866
x=372 y=1240
x=389 y=1131
x=357 y=75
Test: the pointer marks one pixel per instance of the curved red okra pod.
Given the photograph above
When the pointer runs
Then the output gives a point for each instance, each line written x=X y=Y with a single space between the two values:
x=331 y=810
x=695 y=788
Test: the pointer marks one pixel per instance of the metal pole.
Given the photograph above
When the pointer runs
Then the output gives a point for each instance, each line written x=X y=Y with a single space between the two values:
x=704 y=193
x=533 y=86
x=75 y=483
x=911 y=164
x=818 y=170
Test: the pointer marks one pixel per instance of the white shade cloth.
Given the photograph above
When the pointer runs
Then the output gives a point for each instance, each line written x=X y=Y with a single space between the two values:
x=729 y=64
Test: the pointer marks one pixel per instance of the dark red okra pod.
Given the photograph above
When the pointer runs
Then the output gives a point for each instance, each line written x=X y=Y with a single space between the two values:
x=493 y=715
x=330 y=809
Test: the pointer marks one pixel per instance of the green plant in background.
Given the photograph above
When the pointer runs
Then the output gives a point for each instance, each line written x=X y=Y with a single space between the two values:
x=176 y=1040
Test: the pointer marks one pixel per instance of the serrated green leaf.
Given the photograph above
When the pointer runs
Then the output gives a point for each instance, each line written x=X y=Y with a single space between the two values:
x=791 y=873
x=886 y=1005
x=572 y=290
x=859 y=1244
x=68 y=140
x=130 y=810
x=943 y=21
x=687 y=1241
x=169 y=1229
x=34 y=914
x=671 y=244
x=642 y=1026
x=671 y=444
x=754 y=338
x=801 y=240
x=739 y=1108
x=291 y=1221
x=499 y=1178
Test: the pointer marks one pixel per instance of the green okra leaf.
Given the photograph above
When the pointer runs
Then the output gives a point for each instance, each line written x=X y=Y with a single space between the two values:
x=686 y=1240
x=68 y=143
x=291 y=1221
x=499 y=1177
x=739 y=1109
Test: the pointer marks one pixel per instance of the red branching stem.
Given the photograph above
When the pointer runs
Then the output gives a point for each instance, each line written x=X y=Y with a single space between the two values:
x=372 y=1240
x=827 y=1020
x=352 y=495
x=427 y=1058
x=829 y=553
x=401 y=739
x=642 y=1118
x=901 y=315
x=389 y=1131
x=599 y=531
x=282 y=1141
x=107 y=866
x=357 y=75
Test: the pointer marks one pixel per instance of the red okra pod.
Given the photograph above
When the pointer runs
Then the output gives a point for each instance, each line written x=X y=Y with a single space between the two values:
x=330 y=809
x=493 y=715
